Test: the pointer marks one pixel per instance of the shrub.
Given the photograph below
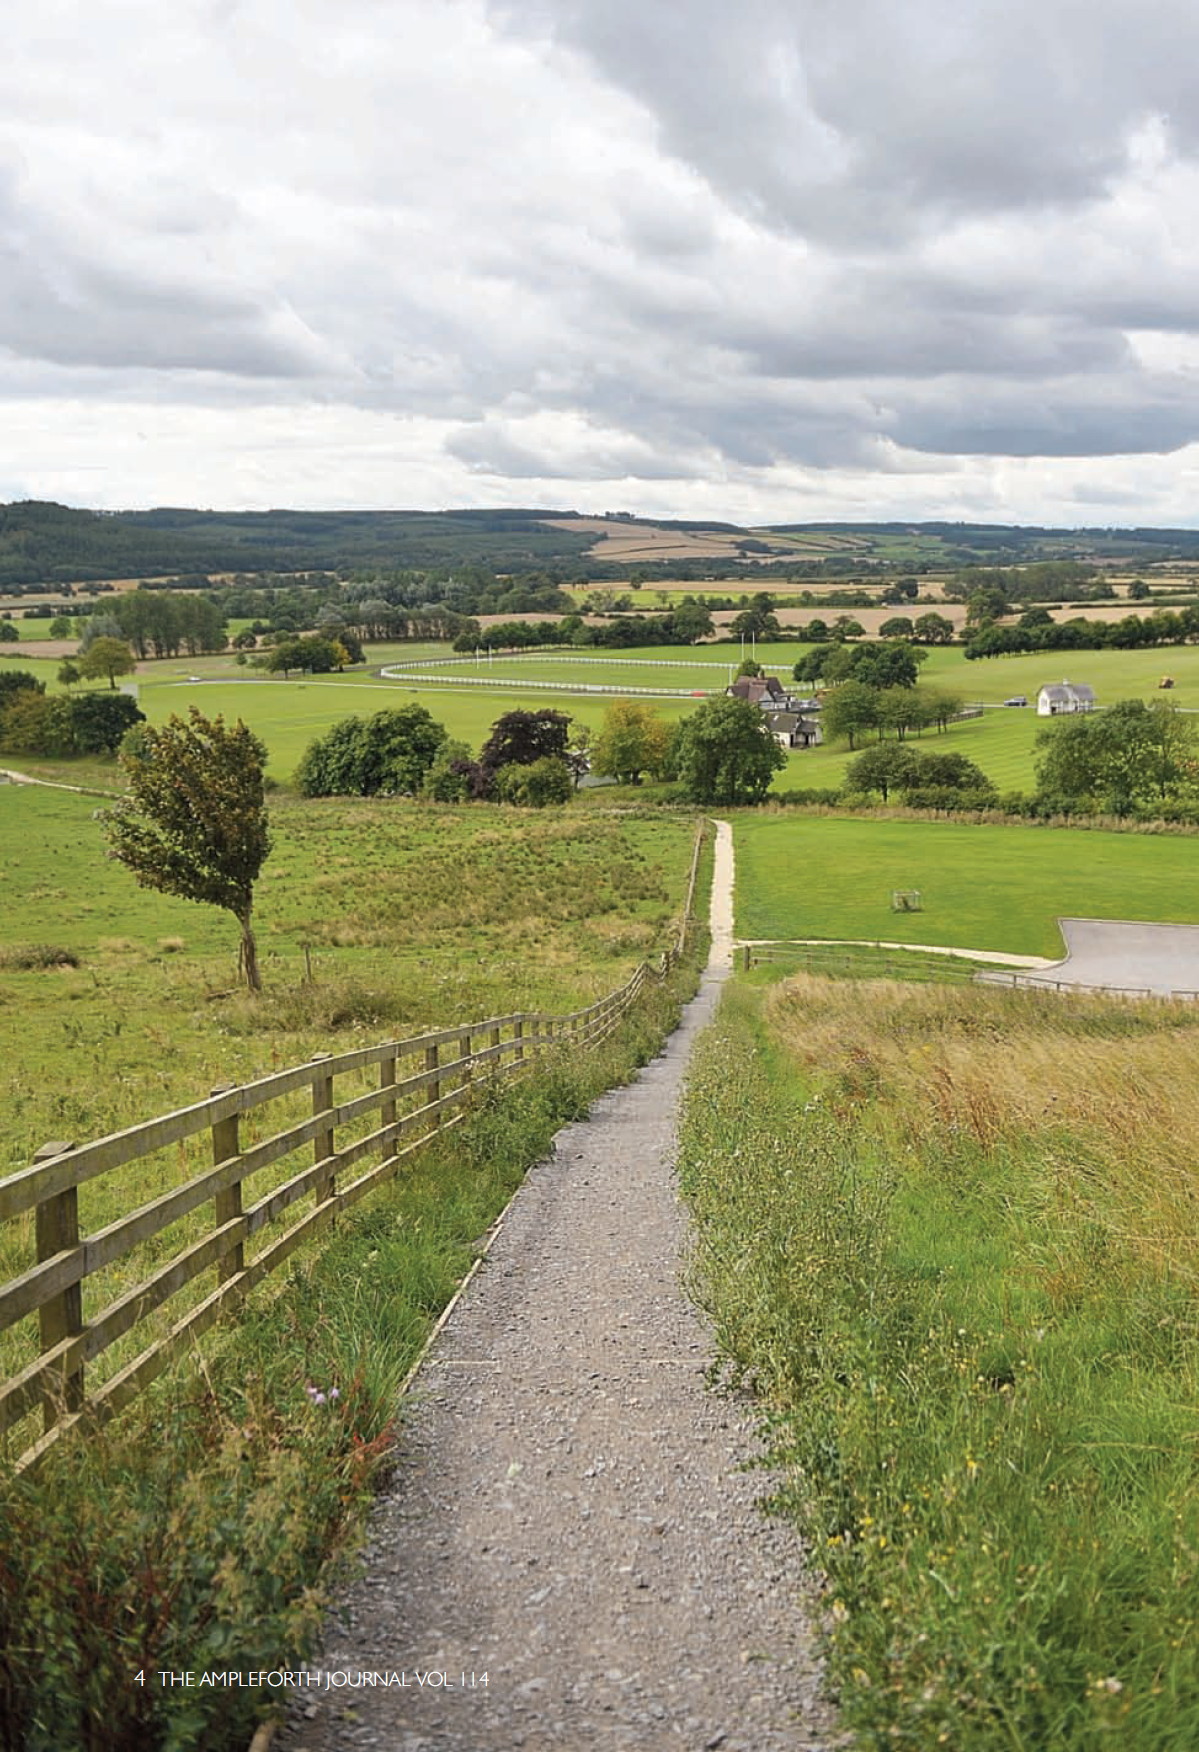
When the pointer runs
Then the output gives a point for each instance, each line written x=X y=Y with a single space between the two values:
x=535 y=786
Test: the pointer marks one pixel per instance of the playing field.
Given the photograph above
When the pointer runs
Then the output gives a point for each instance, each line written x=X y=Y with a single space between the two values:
x=1000 y=888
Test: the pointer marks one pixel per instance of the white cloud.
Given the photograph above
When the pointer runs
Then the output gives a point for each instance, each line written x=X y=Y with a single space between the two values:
x=788 y=260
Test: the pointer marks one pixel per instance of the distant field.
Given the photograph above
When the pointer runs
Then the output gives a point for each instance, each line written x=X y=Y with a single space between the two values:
x=999 y=888
x=287 y=714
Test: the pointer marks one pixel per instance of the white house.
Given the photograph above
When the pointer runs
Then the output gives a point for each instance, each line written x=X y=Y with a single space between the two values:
x=1065 y=696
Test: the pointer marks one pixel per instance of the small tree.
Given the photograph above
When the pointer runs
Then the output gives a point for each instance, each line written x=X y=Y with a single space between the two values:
x=106 y=657
x=726 y=753
x=886 y=767
x=194 y=823
x=850 y=710
x=519 y=738
x=536 y=785
x=632 y=740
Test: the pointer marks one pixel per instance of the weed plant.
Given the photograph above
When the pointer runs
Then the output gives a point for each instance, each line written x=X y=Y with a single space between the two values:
x=949 y=1236
x=204 y=1529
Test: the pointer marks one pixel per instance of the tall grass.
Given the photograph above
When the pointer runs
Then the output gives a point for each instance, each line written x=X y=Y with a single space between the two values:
x=950 y=1237
x=202 y=1531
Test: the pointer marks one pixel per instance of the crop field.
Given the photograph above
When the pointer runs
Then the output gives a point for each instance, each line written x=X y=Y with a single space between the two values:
x=983 y=887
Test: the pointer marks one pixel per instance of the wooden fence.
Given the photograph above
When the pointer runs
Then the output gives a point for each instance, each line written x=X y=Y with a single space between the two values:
x=422 y=1086
x=867 y=961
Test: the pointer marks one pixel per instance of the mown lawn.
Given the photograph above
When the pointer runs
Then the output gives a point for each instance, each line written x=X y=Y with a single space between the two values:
x=982 y=887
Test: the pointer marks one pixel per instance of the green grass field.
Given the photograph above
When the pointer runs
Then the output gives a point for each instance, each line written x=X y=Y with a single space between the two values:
x=287 y=714
x=413 y=916
x=983 y=887
x=947 y=1235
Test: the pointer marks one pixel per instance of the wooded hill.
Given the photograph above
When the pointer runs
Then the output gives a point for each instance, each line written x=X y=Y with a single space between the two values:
x=44 y=543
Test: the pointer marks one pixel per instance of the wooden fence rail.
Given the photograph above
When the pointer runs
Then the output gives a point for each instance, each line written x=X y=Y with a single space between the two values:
x=422 y=1087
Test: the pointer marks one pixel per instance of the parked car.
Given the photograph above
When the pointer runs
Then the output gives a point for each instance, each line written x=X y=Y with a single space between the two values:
x=1017 y=700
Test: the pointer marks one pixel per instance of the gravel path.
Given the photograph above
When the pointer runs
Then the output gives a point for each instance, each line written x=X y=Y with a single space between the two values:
x=567 y=1515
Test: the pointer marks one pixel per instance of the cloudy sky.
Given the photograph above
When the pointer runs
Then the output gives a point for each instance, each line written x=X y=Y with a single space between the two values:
x=775 y=261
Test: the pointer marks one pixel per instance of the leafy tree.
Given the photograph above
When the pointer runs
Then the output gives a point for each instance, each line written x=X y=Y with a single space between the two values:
x=692 y=622
x=8 y=632
x=949 y=781
x=1138 y=590
x=60 y=627
x=194 y=822
x=757 y=621
x=986 y=603
x=99 y=721
x=933 y=628
x=845 y=627
x=943 y=705
x=99 y=626
x=726 y=753
x=536 y=784
x=578 y=752
x=1132 y=755
x=69 y=673
x=887 y=767
x=106 y=657
x=898 y=627
x=748 y=666
x=633 y=739
x=448 y=778
x=15 y=681
x=850 y=710
x=519 y=738
x=905 y=708
x=387 y=754
x=32 y=723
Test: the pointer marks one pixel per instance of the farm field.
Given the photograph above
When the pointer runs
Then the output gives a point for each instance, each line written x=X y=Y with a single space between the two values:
x=983 y=887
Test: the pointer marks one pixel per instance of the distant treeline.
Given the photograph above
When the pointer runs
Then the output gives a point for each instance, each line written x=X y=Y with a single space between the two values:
x=42 y=544
x=1131 y=633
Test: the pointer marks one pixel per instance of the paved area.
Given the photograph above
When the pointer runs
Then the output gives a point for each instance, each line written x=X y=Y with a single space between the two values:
x=571 y=1514
x=1121 y=953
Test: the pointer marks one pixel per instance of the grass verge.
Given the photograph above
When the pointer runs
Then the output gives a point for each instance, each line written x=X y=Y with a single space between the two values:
x=948 y=1235
x=202 y=1532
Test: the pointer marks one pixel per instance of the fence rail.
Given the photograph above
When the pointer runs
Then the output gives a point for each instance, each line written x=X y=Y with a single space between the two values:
x=867 y=962
x=423 y=1086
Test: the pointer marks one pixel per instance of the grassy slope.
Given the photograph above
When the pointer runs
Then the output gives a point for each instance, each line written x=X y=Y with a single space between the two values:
x=982 y=887
x=414 y=915
x=965 y=1291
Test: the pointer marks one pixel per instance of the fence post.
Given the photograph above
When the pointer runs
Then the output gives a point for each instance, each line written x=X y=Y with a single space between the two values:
x=387 y=1077
x=518 y=1034
x=748 y=952
x=497 y=1064
x=226 y=1143
x=432 y=1060
x=57 y=1230
x=322 y=1144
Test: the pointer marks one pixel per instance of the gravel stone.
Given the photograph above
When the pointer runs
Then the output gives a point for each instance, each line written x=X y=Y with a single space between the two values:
x=570 y=1512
